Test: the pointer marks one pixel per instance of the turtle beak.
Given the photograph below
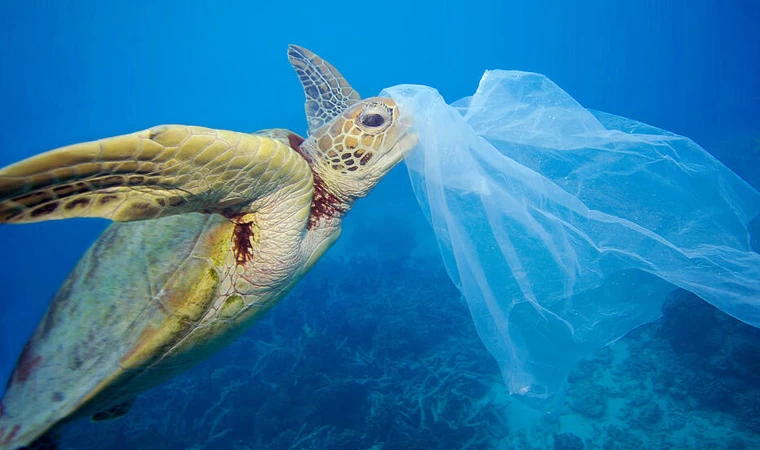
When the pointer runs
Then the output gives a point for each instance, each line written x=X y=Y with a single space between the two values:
x=405 y=143
x=408 y=137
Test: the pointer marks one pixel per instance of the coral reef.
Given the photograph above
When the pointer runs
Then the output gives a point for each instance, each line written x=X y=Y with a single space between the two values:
x=567 y=441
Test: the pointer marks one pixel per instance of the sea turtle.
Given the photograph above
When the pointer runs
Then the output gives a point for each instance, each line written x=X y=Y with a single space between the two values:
x=212 y=229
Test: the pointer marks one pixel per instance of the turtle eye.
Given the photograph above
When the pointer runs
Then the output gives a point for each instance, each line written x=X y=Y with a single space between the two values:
x=372 y=120
x=375 y=118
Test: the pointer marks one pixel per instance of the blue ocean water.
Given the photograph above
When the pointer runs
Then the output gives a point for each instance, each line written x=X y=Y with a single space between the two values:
x=374 y=348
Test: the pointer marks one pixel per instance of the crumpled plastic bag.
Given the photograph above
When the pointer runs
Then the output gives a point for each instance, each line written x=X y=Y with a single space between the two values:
x=566 y=228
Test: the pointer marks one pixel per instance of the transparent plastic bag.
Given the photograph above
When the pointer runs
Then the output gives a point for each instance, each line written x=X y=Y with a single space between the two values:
x=565 y=228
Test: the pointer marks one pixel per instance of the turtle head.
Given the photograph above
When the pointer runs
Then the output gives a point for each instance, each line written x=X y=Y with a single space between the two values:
x=356 y=149
x=352 y=143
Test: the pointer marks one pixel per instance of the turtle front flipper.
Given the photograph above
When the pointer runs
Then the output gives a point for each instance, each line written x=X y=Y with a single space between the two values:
x=154 y=173
x=113 y=413
x=328 y=94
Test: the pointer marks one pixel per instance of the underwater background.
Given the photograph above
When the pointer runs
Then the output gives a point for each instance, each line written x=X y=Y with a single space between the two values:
x=374 y=347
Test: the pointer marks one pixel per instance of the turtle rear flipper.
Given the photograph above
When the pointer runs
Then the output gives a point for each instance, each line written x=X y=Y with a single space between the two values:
x=48 y=441
x=113 y=413
x=162 y=171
